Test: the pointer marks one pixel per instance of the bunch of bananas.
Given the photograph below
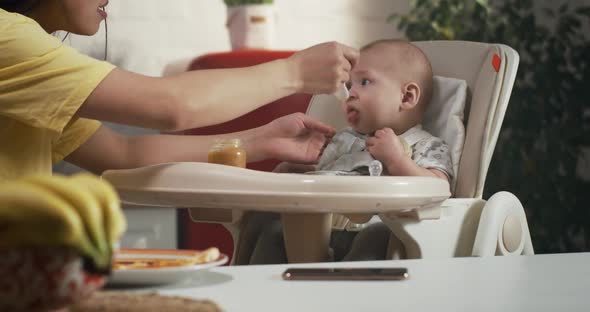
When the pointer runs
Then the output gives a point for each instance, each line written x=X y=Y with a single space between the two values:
x=82 y=212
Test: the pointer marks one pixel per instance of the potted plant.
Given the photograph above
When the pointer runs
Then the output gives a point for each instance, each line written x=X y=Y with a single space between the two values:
x=250 y=23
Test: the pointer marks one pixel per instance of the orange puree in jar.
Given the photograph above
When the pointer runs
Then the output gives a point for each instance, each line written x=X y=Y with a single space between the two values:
x=228 y=152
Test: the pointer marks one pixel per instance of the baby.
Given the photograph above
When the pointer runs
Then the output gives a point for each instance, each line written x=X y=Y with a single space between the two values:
x=390 y=89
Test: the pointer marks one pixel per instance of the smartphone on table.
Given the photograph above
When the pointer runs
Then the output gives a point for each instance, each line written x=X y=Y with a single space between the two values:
x=346 y=274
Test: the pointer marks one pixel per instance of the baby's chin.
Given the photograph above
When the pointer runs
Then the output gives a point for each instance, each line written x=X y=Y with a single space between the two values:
x=362 y=130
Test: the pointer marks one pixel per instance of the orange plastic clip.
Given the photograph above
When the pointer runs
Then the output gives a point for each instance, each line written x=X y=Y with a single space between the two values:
x=496 y=61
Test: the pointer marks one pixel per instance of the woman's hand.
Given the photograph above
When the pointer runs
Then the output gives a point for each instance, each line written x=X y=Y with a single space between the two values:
x=323 y=68
x=295 y=138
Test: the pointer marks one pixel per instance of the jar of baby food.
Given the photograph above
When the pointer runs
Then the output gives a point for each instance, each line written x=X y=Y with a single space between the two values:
x=228 y=152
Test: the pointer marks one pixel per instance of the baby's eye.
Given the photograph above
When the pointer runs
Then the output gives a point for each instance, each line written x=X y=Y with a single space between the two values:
x=348 y=85
x=365 y=82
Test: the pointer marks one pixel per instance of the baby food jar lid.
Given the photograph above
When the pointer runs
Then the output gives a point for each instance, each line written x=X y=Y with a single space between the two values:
x=226 y=143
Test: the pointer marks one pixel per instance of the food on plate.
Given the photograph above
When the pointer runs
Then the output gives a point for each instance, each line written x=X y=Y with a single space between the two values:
x=185 y=258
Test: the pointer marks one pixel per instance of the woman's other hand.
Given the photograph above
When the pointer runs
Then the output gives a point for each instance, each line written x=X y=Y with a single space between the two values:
x=295 y=138
x=323 y=68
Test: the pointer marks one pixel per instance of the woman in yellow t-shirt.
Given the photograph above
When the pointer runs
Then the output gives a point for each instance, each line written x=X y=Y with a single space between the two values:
x=51 y=97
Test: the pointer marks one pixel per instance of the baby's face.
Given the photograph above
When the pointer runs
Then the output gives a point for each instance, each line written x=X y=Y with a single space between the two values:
x=375 y=92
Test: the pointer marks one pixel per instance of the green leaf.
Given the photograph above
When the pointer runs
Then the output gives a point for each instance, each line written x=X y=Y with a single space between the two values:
x=585 y=11
x=563 y=8
x=548 y=12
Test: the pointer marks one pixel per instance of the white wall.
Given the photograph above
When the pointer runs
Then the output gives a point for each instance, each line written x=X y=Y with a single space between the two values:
x=146 y=35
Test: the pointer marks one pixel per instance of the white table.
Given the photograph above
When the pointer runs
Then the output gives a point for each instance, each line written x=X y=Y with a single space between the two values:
x=558 y=282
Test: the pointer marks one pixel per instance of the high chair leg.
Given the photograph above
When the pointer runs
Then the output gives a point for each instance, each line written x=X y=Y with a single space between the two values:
x=307 y=236
x=230 y=219
x=234 y=230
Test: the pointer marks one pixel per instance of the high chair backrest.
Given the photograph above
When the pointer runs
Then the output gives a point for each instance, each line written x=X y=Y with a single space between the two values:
x=489 y=70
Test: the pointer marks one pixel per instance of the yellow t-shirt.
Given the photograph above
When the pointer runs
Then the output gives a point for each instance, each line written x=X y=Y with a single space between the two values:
x=42 y=85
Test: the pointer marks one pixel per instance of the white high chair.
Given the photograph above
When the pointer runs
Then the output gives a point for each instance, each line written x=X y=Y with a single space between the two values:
x=417 y=209
x=467 y=225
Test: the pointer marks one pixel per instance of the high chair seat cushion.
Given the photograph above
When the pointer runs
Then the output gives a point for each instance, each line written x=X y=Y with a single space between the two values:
x=444 y=116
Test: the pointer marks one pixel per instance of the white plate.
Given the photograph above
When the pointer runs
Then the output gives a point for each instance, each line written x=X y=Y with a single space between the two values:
x=159 y=276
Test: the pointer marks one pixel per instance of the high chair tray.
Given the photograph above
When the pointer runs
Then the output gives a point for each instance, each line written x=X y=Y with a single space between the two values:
x=204 y=185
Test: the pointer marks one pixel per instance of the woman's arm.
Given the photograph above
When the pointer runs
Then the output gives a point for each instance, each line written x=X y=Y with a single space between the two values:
x=206 y=97
x=294 y=137
x=107 y=149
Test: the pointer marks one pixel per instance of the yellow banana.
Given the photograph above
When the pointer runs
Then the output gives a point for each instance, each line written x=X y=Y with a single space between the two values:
x=31 y=215
x=114 y=219
x=87 y=206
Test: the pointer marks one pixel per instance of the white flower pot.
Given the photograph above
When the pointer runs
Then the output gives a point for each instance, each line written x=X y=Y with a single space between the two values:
x=251 y=26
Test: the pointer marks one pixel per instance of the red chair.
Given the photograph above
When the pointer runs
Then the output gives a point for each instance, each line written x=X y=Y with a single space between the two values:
x=198 y=235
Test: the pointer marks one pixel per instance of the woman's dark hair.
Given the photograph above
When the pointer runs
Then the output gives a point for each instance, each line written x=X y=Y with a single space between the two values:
x=18 y=6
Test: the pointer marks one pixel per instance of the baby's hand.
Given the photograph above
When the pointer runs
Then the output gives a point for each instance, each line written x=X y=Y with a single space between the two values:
x=386 y=147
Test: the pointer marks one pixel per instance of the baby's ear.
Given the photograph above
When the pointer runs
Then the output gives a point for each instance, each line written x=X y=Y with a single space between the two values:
x=410 y=96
